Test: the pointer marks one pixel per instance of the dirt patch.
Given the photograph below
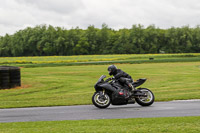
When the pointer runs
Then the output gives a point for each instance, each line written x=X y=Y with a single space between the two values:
x=22 y=87
x=19 y=87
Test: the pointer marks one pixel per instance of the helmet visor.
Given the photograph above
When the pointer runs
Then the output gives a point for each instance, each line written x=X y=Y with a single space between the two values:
x=110 y=72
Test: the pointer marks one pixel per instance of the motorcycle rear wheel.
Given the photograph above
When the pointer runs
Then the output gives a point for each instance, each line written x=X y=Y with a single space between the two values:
x=101 y=101
x=145 y=101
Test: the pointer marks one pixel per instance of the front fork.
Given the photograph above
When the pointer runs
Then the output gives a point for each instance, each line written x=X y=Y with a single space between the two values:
x=102 y=94
x=103 y=91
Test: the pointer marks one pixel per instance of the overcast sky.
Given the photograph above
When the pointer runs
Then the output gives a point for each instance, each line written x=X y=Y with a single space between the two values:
x=18 y=14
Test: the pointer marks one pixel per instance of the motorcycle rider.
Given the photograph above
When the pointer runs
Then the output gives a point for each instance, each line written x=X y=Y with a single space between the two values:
x=120 y=75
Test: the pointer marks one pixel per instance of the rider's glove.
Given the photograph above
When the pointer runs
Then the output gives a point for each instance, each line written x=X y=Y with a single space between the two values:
x=109 y=79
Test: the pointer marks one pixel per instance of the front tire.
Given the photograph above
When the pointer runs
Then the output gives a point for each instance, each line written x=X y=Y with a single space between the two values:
x=145 y=101
x=101 y=101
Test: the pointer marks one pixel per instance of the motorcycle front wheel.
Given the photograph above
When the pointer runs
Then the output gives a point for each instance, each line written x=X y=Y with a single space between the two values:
x=145 y=100
x=100 y=100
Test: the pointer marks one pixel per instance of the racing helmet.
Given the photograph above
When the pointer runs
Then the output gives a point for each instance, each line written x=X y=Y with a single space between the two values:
x=112 y=69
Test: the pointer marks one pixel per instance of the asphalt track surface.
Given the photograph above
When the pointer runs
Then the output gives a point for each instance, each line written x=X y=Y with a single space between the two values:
x=86 y=112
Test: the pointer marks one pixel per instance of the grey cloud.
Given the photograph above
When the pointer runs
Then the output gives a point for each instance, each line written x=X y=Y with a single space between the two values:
x=16 y=14
x=58 y=6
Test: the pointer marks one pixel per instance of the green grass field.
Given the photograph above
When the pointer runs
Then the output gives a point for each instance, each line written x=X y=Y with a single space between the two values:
x=137 y=125
x=73 y=85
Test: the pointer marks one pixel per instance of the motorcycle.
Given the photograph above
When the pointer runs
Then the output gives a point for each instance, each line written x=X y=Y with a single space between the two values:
x=110 y=91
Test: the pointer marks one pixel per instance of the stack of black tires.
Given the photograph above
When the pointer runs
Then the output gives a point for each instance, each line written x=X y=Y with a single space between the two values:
x=10 y=77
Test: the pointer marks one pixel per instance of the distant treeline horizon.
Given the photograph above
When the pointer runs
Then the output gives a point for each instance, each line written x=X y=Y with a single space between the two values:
x=46 y=40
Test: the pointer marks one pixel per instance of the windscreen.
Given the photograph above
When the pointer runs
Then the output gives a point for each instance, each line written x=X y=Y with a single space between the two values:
x=101 y=78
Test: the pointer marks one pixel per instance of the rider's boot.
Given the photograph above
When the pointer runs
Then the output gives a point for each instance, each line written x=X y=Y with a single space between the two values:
x=131 y=87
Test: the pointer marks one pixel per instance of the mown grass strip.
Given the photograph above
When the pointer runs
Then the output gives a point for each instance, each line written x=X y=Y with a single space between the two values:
x=91 y=58
x=157 y=60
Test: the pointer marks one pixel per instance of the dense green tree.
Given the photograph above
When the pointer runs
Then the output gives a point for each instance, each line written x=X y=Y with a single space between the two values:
x=46 y=40
x=137 y=39
x=103 y=40
x=91 y=35
x=82 y=48
x=196 y=40
x=121 y=44
x=5 y=45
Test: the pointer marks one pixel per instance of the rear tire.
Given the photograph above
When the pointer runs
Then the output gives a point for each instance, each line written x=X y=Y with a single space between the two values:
x=145 y=101
x=99 y=101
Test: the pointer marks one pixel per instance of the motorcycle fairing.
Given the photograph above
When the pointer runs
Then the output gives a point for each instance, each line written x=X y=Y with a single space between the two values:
x=106 y=86
x=139 y=82
x=118 y=99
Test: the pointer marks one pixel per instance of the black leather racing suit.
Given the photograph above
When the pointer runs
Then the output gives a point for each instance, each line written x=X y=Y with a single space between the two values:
x=123 y=77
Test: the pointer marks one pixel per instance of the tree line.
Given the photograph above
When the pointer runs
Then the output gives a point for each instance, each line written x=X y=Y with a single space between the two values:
x=43 y=40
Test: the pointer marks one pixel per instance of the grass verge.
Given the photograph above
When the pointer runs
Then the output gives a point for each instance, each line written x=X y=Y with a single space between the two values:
x=137 y=125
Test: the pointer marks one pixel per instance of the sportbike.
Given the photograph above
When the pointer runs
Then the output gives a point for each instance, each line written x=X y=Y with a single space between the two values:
x=110 y=91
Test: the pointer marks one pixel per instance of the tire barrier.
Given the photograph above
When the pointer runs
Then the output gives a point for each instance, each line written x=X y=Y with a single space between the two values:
x=10 y=77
